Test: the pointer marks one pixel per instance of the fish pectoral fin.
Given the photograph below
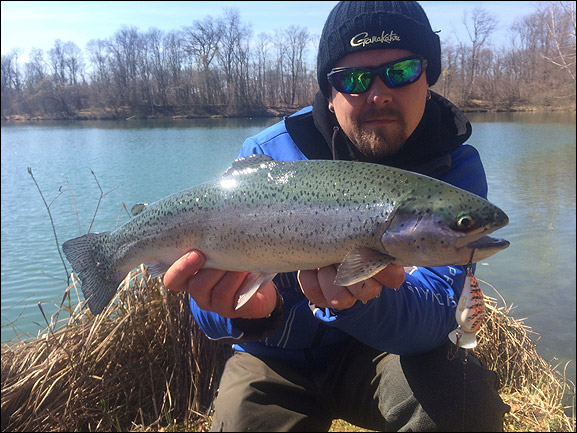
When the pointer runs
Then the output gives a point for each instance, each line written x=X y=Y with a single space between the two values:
x=156 y=269
x=250 y=285
x=361 y=264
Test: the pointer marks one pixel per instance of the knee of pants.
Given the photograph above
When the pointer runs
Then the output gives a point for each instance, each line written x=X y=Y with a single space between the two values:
x=431 y=390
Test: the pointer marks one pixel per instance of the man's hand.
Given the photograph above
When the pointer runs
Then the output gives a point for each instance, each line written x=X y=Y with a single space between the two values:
x=215 y=290
x=318 y=286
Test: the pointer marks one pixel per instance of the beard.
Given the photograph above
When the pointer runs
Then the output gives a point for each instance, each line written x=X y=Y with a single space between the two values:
x=378 y=143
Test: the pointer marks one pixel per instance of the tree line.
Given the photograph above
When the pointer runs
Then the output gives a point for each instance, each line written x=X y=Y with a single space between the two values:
x=216 y=66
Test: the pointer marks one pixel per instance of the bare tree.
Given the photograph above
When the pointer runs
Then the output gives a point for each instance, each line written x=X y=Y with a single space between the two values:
x=35 y=68
x=10 y=82
x=98 y=56
x=73 y=62
x=201 y=42
x=480 y=27
x=125 y=51
x=560 y=22
x=297 y=39
x=177 y=92
x=213 y=67
x=261 y=69
x=58 y=62
x=234 y=56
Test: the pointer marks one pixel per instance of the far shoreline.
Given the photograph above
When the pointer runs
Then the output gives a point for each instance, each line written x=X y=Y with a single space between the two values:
x=188 y=113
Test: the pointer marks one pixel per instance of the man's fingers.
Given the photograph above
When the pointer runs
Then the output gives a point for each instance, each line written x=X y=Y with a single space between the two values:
x=184 y=268
x=319 y=287
x=261 y=304
x=366 y=290
x=311 y=288
x=338 y=297
x=392 y=276
x=223 y=295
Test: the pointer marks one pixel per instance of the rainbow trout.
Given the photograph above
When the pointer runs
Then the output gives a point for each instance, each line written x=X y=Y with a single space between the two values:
x=265 y=217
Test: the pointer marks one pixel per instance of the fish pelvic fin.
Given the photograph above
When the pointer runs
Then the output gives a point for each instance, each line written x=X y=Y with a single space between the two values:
x=99 y=281
x=251 y=284
x=361 y=264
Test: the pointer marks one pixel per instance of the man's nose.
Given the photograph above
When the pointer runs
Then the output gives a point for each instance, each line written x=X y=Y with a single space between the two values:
x=379 y=93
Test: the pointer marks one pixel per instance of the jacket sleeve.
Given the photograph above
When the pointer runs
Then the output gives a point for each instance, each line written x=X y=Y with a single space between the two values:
x=419 y=316
x=414 y=319
x=231 y=331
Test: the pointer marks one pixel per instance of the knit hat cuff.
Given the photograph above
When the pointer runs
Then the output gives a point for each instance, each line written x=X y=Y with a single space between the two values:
x=368 y=26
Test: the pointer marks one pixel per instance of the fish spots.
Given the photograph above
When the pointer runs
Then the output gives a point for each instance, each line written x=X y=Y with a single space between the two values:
x=290 y=209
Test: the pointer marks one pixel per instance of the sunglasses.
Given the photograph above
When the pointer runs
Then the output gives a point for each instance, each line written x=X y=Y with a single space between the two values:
x=395 y=74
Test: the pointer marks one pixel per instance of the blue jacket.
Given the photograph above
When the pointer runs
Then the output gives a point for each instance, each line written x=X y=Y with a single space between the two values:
x=414 y=319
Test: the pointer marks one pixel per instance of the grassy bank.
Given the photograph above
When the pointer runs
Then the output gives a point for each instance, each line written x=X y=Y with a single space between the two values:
x=143 y=365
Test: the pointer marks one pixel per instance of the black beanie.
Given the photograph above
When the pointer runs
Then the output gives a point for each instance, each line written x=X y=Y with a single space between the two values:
x=354 y=26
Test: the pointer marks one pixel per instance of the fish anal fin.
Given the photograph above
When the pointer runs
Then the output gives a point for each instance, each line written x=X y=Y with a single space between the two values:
x=361 y=264
x=250 y=286
x=156 y=269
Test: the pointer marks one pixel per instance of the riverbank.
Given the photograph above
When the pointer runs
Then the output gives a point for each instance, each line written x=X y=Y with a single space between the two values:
x=219 y=111
x=165 y=112
x=144 y=365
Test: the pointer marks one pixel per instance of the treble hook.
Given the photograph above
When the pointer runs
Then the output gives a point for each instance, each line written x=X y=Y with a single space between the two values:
x=453 y=353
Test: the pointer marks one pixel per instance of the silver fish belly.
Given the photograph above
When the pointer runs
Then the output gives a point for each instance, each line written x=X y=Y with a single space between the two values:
x=265 y=217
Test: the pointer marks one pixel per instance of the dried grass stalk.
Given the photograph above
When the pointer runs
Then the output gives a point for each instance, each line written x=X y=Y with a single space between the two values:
x=143 y=361
x=144 y=365
x=534 y=389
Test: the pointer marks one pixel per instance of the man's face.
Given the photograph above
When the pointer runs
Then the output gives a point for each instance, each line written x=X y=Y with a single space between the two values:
x=380 y=120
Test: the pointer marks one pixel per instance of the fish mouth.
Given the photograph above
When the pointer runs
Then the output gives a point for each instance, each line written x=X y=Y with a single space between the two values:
x=485 y=247
x=486 y=242
x=464 y=239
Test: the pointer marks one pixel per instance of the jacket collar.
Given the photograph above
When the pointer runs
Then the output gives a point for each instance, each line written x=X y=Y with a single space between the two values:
x=442 y=129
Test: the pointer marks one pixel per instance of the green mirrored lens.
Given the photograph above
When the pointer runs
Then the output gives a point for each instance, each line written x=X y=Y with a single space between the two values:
x=395 y=74
x=403 y=73
x=353 y=81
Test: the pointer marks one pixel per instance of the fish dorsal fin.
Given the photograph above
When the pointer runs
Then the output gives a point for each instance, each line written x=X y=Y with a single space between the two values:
x=247 y=163
x=137 y=208
x=361 y=264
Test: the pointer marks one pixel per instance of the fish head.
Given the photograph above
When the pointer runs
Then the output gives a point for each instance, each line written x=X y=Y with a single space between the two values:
x=444 y=228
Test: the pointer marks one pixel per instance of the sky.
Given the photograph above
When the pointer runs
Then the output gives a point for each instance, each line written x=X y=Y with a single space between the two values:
x=38 y=24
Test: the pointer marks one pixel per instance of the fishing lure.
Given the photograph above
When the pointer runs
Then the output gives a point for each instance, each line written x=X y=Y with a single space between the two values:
x=469 y=314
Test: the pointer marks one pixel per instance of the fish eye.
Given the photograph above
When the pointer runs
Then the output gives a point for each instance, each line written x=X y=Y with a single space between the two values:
x=465 y=222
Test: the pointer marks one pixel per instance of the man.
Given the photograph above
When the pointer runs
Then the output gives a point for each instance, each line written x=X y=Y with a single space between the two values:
x=311 y=352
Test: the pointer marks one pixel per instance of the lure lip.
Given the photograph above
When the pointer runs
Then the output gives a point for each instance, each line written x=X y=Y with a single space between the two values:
x=465 y=340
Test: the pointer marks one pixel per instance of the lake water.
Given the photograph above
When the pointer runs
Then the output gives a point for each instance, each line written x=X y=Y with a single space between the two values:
x=529 y=159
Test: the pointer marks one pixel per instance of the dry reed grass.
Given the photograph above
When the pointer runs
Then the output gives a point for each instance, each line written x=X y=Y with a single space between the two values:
x=535 y=390
x=144 y=365
x=141 y=364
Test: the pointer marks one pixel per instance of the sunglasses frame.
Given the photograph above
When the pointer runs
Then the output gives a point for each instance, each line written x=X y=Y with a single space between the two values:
x=380 y=71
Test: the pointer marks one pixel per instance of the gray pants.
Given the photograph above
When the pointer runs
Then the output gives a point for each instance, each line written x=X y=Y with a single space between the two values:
x=368 y=388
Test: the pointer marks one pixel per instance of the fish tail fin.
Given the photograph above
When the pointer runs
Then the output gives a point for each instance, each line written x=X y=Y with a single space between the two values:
x=99 y=281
